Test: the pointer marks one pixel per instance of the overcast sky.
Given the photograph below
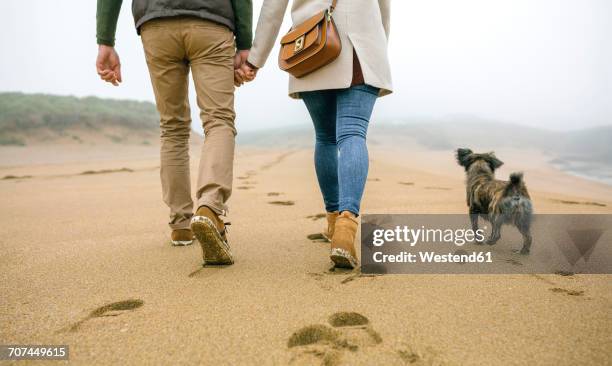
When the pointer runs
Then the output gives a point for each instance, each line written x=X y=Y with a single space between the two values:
x=544 y=63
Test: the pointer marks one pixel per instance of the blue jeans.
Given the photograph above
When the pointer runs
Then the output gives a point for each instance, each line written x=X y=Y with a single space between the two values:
x=341 y=118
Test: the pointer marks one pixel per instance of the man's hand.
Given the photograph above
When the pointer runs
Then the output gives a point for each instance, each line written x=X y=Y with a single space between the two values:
x=239 y=59
x=108 y=65
x=242 y=72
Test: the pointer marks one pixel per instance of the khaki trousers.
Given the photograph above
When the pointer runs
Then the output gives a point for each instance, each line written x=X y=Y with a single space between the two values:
x=173 y=46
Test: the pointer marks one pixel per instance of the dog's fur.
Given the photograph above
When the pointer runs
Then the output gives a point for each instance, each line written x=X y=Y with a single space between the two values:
x=499 y=202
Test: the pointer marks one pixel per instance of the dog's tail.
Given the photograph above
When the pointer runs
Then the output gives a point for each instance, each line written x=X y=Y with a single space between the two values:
x=516 y=178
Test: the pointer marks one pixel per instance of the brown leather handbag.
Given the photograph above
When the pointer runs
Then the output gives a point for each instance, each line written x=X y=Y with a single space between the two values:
x=310 y=45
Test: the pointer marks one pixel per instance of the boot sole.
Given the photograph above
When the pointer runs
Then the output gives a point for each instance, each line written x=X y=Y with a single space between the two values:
x=181 y=243
x=215 y=250
x=343 y=259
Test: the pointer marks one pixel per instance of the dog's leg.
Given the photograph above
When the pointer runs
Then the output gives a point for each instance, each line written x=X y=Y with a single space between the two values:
x=527 y=239
x=496 y=224
x=474 y=221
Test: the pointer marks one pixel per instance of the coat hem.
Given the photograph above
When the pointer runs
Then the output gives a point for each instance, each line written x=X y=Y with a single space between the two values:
x=381 y=93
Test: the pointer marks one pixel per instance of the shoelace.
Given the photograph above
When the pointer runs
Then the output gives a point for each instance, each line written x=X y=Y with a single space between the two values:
x=225 y=225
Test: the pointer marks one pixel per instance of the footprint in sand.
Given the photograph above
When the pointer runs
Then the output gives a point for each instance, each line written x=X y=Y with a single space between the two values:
x=107 y=171
x=11 y=177
x=438 y=188
x=359 y=275
x=244 y=187
x=316 y=217
x=329 y=279
x=327 y=344
x=567 y=292
x=585 y=203
x=348 y=319
x=317 y=238
x=348 y=275
x=406 y=183
x=565 y=273
x=282 y=203
x=247 y=175
x=543 y=279
x=409 y=355
x=276 y=161
x=274 y=194
x=112 y=309
x=320 y=278
x=513 y=262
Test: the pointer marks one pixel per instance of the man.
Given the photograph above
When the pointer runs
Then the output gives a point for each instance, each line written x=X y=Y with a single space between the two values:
x=179 y=36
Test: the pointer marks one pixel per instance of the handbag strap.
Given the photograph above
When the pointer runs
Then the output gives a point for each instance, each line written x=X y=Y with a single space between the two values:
x=333 y=6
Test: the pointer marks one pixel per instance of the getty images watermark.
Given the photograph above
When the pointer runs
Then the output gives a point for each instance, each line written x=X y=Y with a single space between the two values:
x=450 y=244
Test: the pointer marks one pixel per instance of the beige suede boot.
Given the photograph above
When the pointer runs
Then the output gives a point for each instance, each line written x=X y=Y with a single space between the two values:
x=343 y=241
x=210 y=230
x=331 y=223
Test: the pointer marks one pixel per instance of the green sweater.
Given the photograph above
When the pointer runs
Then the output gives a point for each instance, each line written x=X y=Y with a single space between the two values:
x=108 y=14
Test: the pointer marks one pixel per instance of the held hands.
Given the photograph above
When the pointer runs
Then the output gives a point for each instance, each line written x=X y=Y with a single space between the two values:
x=243 y=70
x=108 y=65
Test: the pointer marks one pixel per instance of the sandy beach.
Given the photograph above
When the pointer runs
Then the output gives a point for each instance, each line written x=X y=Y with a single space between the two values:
x=82 y=228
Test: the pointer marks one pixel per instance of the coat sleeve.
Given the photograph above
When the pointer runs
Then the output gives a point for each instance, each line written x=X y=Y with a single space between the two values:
x=269 y=23
x=385 y=12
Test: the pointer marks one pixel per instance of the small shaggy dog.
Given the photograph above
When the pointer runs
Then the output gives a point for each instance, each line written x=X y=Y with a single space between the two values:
x=498 y=202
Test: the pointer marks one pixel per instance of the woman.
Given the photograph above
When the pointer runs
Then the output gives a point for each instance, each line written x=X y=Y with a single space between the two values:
x=339 y=97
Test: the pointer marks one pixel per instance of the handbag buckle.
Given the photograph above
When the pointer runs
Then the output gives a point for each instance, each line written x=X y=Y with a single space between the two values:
x=299 y=44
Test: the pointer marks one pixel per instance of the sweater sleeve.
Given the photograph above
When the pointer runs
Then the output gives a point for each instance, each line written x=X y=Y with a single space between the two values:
x=243 y=22
x=107 y=15
x=268 y=26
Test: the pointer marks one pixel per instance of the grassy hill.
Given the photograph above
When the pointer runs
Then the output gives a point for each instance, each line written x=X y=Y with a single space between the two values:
x=30 y=118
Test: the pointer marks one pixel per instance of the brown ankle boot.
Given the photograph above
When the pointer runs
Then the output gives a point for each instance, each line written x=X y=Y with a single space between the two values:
x=331 y=223
x=343 y=242
x=181 y=237
x=210 y=231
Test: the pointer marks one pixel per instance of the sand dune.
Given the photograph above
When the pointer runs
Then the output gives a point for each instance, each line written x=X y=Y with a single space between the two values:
x=86 y=262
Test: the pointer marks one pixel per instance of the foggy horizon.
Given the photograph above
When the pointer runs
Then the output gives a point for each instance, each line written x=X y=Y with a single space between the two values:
x=538 y=64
